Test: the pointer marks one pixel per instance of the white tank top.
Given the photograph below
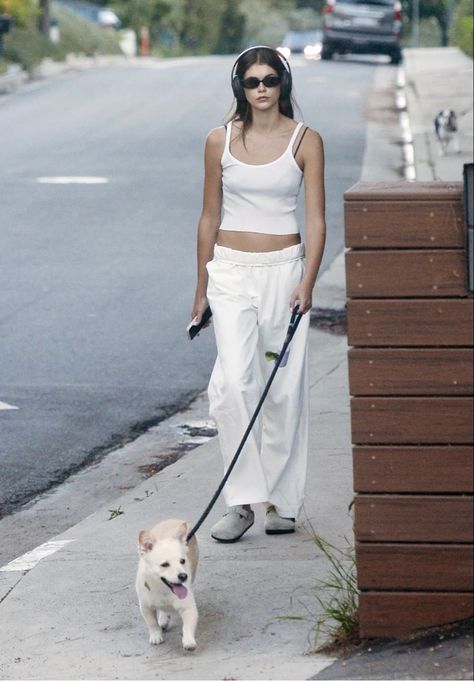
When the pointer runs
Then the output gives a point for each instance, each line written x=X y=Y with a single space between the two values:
x=260 y=198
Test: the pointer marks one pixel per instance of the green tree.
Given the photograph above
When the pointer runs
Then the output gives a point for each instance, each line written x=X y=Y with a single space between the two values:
x=305 y=19
x=440 y=10
x=43 y=17
x=207 y=26
x=24 y=12
x=267 y=21
x=140 y=13
x=462 y=30
x=231 y=29
x=200 y=26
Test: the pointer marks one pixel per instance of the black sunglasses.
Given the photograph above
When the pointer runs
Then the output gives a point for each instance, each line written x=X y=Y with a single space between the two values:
x=253 y=82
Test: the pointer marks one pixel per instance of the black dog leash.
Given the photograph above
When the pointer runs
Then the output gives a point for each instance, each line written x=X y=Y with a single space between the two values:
x=295 y=320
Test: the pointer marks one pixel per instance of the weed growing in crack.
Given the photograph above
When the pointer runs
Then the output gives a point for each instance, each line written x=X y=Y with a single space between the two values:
x=115 y=512
x=336 y=620
x=338 y=596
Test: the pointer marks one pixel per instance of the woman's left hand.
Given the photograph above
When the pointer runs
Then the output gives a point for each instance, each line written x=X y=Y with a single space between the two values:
x=302 y=295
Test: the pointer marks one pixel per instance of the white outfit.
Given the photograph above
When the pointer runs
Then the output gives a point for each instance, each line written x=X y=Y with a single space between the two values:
x=260 y=198
x=249 y=294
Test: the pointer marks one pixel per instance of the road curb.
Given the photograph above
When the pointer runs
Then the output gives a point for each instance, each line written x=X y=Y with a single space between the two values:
x=16 y=75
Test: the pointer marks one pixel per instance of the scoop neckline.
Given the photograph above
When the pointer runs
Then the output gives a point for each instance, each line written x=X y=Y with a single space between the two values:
x=263 y=165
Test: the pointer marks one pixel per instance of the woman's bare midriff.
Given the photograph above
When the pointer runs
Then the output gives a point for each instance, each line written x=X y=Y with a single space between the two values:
x=255 y=242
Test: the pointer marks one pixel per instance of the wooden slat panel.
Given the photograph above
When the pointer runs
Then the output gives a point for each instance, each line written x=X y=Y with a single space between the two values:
x=408 y=371
x=404 y=224
x=416 y=322
x=413 y=469
x=404 y=190
x=388 y=273
x=409 y=216
x=412 y=420
x=398 y=613
x=418 y=567
x=413 y=518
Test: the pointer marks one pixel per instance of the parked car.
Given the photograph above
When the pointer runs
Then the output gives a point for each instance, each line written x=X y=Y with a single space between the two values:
x=103 y=16
x=297 y=42
x=362 y=26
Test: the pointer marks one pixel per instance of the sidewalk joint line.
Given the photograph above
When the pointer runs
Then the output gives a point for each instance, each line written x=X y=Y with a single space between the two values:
x=12 y=587
x=328 y=373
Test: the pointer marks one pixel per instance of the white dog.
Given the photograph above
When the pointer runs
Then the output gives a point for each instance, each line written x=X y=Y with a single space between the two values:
x=166 y=571
x=446 y=131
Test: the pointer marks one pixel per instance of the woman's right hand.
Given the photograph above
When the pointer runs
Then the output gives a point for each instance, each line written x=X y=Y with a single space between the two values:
x=200 y=304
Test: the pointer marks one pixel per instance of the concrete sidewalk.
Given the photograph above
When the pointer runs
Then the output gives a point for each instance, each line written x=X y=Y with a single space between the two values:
x=436 y=79
x=74 y=613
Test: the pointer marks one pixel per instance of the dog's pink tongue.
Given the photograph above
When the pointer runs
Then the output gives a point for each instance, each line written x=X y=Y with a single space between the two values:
x=179 y=590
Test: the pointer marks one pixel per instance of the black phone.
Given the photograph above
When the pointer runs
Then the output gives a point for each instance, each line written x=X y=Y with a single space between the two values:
x=193 y=329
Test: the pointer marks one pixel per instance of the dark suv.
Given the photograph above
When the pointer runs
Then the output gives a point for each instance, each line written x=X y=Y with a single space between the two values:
x=362 y=26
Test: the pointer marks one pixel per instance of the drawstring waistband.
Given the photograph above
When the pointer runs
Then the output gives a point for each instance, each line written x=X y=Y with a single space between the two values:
x=279 y=257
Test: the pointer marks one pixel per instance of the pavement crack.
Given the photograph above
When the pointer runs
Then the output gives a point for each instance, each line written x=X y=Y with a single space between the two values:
x=327 y=373
x=12 y=587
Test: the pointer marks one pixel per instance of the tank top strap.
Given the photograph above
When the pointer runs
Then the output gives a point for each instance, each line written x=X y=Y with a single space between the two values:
x=294 y=136
x=228 y=133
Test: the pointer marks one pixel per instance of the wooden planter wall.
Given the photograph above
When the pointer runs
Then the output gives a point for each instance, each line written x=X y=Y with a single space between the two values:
x=410 y=376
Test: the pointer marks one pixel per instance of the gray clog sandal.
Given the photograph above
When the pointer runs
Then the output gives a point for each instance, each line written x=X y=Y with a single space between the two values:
x=275 y=524
x=233 y=524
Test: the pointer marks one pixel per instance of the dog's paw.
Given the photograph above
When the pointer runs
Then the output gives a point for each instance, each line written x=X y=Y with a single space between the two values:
x=156 y=637
x=189 y=644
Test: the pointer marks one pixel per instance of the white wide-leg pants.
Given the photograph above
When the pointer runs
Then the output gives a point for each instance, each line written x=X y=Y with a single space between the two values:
x=249 y=294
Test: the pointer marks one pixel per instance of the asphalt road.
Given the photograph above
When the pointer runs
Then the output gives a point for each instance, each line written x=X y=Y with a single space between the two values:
x=97 y=281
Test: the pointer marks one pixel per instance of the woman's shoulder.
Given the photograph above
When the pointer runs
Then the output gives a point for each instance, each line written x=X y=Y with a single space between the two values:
x=311 y=139
x=216 y=136
x=309 y=132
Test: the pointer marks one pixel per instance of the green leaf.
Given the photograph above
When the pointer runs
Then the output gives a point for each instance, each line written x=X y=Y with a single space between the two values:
x=271 y=356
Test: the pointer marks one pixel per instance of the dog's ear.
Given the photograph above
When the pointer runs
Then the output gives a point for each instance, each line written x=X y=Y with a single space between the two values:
x=182 y=531
x=145 y=543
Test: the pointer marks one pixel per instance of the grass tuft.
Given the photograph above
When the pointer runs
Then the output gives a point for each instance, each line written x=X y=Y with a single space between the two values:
x=337 y=626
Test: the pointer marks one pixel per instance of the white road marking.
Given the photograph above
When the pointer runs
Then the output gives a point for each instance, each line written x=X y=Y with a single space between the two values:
x=5 y=405
x=28 y=560
x=74 y=179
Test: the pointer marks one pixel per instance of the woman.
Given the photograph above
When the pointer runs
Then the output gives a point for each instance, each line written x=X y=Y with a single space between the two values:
x=252 y=273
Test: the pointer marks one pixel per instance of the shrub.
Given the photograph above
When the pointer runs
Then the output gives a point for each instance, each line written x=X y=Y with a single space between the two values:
x=81 y=36
x=29 y=47
x=462 y=32
x=77 y=35
x=24 y=12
